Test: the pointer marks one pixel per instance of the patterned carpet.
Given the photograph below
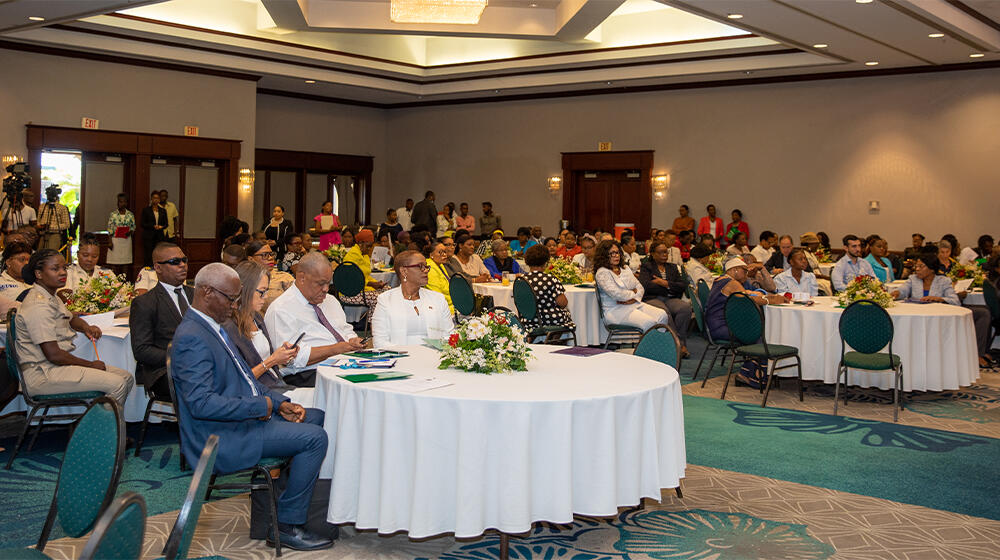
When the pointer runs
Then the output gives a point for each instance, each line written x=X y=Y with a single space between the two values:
x=790 y=481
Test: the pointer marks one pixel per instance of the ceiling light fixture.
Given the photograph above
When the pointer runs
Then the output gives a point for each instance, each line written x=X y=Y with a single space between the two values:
x=310 y=81
x=977 y=55
x=936 y=35
x=820 y=46
x=465 y=12
x=36 y=18
x=871 y=63
x=734 y=16
x=864 y=1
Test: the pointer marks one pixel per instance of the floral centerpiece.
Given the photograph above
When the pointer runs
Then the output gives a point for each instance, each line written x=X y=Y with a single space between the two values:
x=716 y=263
x=564 y=271
x=335 y=253
x=823 y=255
x=101 y=295
x=486 y=344
x=865 y=287
x=965 y=272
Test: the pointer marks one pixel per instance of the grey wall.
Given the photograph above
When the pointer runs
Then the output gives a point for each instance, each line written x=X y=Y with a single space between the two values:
x=793 y=157
x=57 y=91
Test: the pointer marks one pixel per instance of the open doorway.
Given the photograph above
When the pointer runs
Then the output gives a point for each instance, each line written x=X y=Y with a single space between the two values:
x=63 y=170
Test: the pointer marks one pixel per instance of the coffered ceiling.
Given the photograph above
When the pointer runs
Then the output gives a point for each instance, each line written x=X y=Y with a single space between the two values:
x=350 y=50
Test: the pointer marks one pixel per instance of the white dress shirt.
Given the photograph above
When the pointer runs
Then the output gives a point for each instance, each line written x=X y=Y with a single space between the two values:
x=77 y=276
x=785 y=282
x=396 y=323
x=173 y=295
x=633 y=260
x=290 y=315
x=762 y=254
x=405 y=218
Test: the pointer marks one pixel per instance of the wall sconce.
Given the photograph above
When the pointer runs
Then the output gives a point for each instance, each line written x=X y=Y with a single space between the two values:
x=246 y=179
x=8 y=159
x=555 y=183
x=660 y=185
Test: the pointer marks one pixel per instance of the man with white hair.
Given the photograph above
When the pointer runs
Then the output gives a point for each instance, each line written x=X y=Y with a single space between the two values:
x=217 y=393
x=304 y=308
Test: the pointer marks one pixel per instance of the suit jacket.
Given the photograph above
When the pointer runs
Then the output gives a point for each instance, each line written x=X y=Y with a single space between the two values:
x=270 y=378
x=424 y=212
x=153 y=320
x=389 y=321
x=214 y=397
x=675 y=279
x=148 y=220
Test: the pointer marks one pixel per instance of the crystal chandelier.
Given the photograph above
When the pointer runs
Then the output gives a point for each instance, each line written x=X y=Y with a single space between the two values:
x=436 y=11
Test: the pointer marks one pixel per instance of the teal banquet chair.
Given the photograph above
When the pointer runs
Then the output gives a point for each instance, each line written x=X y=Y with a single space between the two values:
x=660 y=343
x=463 y=299
x=619 y=334
x=704 y=290
x=867 y=329
x=526 y=303
x=745 y=321
x=44 y=402
x=349 y=281
x=119 y=532
x=88 y=476
x=721 y=347
x=179 y=540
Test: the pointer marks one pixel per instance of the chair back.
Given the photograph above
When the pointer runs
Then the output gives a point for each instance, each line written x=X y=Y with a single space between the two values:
x=91 y=467
x=179 y=541
x=703 y=292
x=509 y=315
x=463 y=299
x=744 y=319
x=865 y=327
x=12 y=364
x=660 y=343
x=992 y=301
x=119 y=531
x=177 y=404
x=348 y=279
x=524 y=299
x=699 y=313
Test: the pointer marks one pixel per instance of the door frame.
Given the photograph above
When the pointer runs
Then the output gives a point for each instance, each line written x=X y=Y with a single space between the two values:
x=574 y=164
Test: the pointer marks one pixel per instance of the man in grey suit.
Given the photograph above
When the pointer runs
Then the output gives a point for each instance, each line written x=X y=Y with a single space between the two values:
x=425 y=213
x=155 y=315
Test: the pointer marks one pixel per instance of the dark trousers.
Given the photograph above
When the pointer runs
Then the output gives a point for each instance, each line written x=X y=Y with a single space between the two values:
x=680 y=313
x=981 y=320
x=305 y=443
x=305 y=378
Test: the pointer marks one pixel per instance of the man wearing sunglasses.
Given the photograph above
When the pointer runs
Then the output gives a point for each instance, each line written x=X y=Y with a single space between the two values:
x=154 y=318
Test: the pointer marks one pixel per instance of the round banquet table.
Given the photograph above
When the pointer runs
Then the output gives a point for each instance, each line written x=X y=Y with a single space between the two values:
x=582 y=306
x=571 y=435
x=936 y=341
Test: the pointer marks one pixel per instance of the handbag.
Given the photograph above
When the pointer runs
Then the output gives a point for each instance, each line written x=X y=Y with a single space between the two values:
x=753 y=374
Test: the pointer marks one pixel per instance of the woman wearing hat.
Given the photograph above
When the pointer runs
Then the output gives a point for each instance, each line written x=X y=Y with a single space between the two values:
x=734 y=280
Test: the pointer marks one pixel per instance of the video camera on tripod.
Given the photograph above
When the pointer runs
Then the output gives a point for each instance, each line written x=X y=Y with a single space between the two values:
x=18 y=180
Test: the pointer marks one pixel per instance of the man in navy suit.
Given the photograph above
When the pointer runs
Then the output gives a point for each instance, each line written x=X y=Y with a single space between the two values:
x=218 y=394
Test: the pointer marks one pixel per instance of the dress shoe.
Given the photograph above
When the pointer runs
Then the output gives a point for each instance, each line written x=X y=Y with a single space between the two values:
x=300 y=538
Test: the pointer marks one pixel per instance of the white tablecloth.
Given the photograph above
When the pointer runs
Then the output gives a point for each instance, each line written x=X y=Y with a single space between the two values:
x=582 y=306
x=975 y=297
x=936 y=341
x=115 y=349
x=571 y=435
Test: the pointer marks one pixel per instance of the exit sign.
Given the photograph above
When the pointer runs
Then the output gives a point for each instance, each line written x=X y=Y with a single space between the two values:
x=604 y=146
x=87 y=122
x=190 y=131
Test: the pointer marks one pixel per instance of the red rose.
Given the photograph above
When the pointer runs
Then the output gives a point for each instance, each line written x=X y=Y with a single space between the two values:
x=961 y=274
x=453 y=340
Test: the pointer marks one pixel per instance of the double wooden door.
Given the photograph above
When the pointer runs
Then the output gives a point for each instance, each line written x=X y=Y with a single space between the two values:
x=608 y=188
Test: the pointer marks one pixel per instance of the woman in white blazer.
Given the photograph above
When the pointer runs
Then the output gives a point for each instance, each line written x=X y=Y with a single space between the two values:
x=410 y=313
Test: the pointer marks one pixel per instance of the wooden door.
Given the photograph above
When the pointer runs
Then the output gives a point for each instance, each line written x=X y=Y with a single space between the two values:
x=605 y=188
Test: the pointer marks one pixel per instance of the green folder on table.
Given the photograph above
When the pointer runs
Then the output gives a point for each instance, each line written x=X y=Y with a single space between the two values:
x=366 y=377
x=583 y=285
x=369 y=354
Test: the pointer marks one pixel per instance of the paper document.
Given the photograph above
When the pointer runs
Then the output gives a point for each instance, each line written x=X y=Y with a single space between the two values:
x=963 y=285
x=115 y=331
x=417 y=384
x=326 y=221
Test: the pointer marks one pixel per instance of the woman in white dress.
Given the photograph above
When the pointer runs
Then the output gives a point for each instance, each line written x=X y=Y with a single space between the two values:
x=410 y=313
x=121 y=226
x=621 y=292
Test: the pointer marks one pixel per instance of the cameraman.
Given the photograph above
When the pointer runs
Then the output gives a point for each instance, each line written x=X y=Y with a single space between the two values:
x=18 y=214
x=53 y=220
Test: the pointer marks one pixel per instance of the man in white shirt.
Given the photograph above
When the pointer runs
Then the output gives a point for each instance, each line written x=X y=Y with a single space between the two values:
x=405 y=215
x=763 y=251
x=305 y=308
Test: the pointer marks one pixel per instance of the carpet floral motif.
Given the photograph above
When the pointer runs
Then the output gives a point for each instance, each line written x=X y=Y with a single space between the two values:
x=976 y=403
x=688 y=535
x=873 y=433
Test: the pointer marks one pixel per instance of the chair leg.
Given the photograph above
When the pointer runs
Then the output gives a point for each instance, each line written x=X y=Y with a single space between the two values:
x=680 y=494
x=20 y=438
x=145 y=425
x=798 y=361
x=711 y=365
x=272 y=499
x=847 y=372
x=697 y=369
x=770 y=378
x=836 y=390
x=729 y=375
x=38 y=429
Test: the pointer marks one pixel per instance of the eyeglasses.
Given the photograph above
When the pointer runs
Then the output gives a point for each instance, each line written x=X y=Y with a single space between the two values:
x=613 y=253
x=267 y=255
x=261 y=293
x=232 y=299
x=422 y=266
x=176 y=261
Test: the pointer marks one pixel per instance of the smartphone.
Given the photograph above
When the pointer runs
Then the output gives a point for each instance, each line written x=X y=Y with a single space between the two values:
x=296 y=343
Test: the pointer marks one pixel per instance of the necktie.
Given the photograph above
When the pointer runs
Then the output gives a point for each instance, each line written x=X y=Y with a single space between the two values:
x=243 y=367
x=325 y=323
x=181 y=300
